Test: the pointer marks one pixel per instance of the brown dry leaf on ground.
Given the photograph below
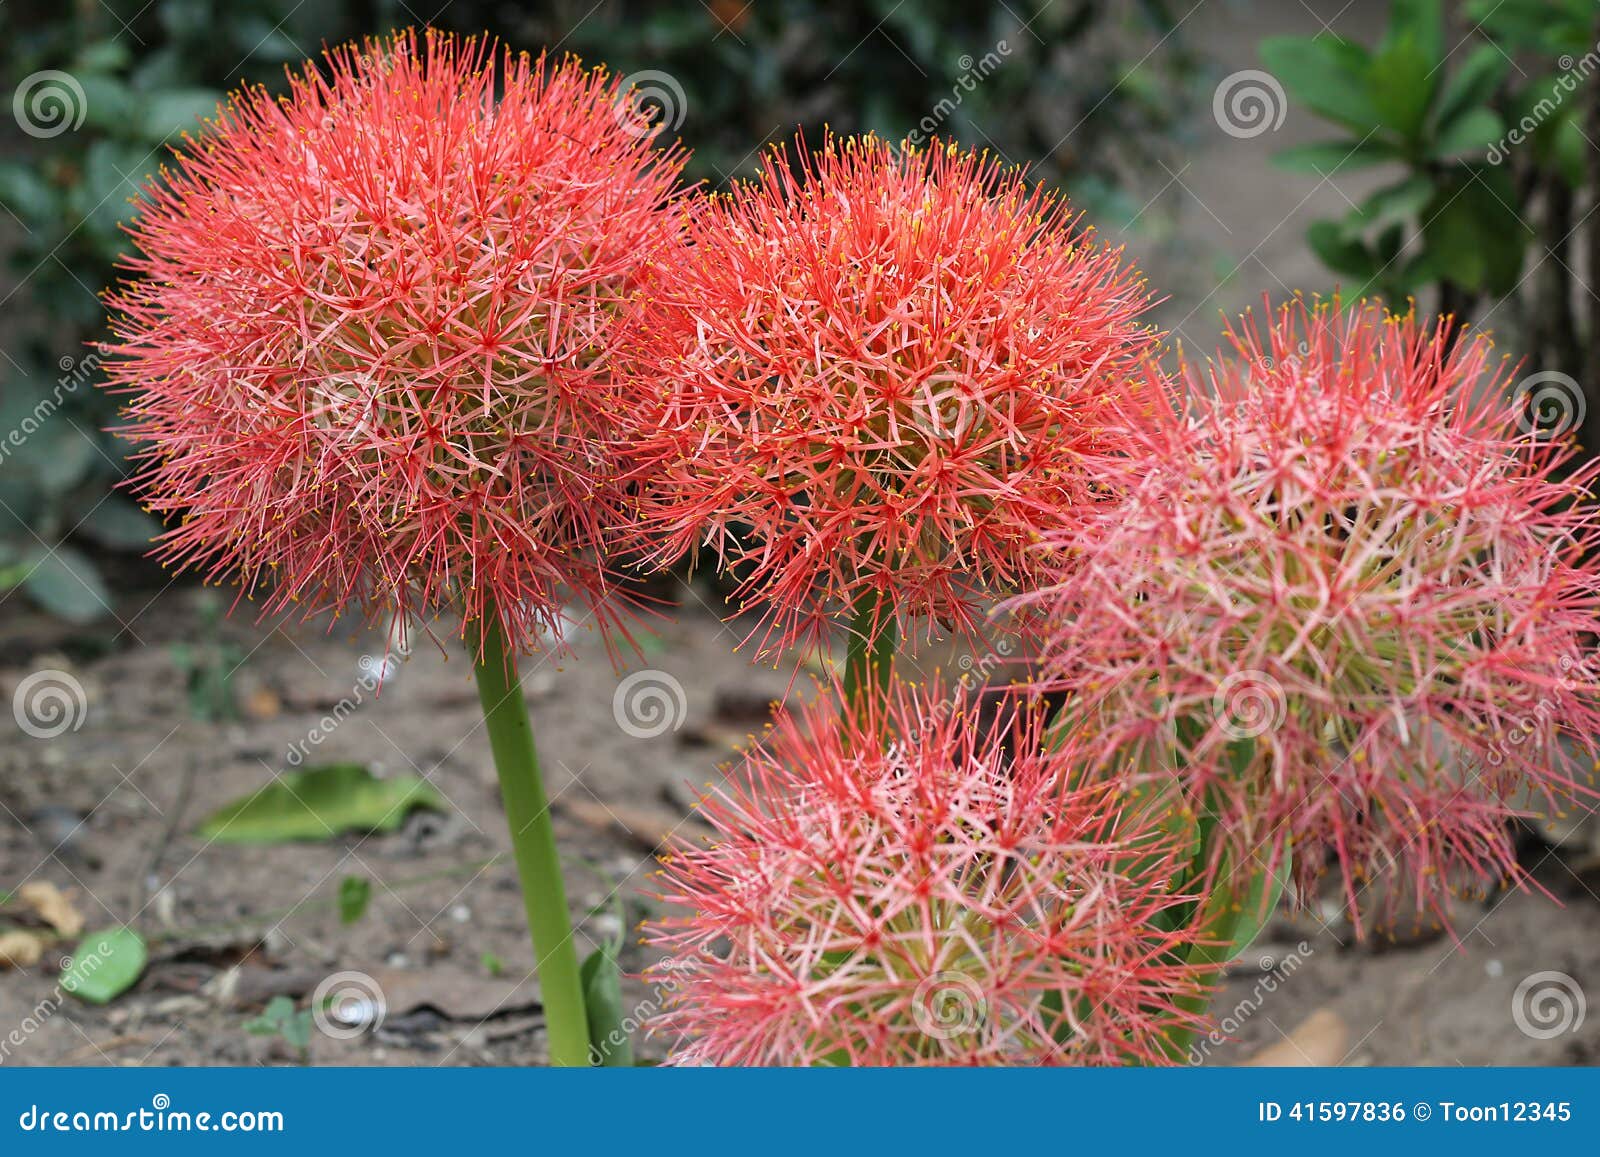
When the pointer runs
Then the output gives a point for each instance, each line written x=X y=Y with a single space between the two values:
x=19 y=949
x=54 y=907
x=1319 y=1041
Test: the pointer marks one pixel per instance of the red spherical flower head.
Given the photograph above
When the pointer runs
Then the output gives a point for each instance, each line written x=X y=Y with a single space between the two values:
x=367 y=342
x=900 y=887
x=884 y=377
x=1343 y=609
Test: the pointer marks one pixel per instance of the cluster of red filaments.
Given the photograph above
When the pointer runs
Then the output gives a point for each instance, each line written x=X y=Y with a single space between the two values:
x=902 y=885
x=885 y=374
x=367 y=334
x=1343 y=607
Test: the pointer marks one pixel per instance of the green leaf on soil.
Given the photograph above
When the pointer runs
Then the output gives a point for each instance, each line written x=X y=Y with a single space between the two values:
x=320 y=803
x=355 y=893
x=106 y=965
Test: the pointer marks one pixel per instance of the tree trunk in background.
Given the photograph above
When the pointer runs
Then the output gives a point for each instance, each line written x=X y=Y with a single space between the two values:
x=1556 y=345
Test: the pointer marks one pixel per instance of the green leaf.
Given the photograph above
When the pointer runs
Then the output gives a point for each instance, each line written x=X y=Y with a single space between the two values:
x=1474 y=238
x=1326 y=74
x=106 y=965
x=1419 y=23
x=1329 y=157
x=1231 y=918
x=492 y=964
x=1401 y=87
x=1345 y=257
x=1471 y=133
x=602 y=995
x=281 y=1018
x=62 y=454
x=1473 y=84
x=1401 y=201
x=119 y=524
x=167 y=114
x=355 y=893
x=107 y=102
x=102 y=56
x=319 y=803
x=65 y=583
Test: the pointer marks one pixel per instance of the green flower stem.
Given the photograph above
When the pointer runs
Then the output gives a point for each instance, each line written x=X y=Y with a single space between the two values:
x=864 y=664
x=533 y=841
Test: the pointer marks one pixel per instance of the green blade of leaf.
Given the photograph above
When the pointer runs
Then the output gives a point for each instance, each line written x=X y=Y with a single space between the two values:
x=319 y=803
x=1345 y=257
x=1468 y=134
x=355 y=893
x=1326 y=158
x=1401 y=87
x=1471 y=85
x=1326 y=74
x=105 y=965
x=65 y=583
x=119 y=524
x=602 y=995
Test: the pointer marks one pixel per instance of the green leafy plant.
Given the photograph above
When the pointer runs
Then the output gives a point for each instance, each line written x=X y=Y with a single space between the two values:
x=280 y=1018
x=1489 y=162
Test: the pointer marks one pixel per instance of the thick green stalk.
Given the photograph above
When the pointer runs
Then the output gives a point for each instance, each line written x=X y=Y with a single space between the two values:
x=533 y=841
x=865 y=665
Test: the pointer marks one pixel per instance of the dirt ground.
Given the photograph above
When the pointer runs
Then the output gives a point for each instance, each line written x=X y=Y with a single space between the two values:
x=107 y=813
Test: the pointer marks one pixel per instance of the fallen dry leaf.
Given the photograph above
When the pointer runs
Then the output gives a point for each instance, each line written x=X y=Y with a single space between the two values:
x=647 y=828
x=19 y=949
x=54 y=907
x=1321 y=1040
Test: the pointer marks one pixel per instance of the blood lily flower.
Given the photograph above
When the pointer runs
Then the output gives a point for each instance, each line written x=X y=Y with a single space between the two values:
x=1342 y=611
x=895 y=886
x=367 y=357
x=886 y=373
x=366 y=342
